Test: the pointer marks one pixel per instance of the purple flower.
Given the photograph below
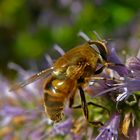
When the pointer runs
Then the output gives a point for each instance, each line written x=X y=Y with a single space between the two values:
x=113 y=57
x=62 y=128
x=133 y=64
x=110 y=130
x=128 y=87
x=125 y=86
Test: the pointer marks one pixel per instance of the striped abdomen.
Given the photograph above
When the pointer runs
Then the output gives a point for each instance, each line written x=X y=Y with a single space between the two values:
x=55 y=93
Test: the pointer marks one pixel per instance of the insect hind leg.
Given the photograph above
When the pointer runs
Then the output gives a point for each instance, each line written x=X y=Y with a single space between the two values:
x=84 y=106
x=93 y=104
x=83 y=103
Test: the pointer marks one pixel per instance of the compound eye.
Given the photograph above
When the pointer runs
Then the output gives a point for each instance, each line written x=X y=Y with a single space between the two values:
x=103 y=50
x=100 y=48
x=104 y=55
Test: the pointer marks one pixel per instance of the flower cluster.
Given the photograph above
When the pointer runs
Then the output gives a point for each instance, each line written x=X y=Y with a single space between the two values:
x=121 y=86
x=22 y=116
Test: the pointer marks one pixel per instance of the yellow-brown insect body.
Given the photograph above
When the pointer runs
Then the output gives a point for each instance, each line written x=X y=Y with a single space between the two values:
x=78 y=63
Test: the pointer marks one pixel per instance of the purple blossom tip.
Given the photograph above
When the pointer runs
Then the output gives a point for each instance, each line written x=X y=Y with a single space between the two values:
x=110 y=130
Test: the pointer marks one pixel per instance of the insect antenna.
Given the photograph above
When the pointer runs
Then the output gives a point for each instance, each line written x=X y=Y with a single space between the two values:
x=99 y=37
x=49 y=60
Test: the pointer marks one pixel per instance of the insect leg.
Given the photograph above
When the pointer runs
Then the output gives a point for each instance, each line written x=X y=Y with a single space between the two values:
x=99 y=70
x=85 y=108
x=71 y=101
x=83 y=103
x=93 y=104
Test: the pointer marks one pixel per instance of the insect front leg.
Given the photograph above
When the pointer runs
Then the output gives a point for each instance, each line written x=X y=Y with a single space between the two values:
x=99 y=70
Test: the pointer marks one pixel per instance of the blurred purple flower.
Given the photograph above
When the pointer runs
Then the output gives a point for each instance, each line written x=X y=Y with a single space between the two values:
x=110 y=130
x=62 y=128
x=134 y=134
x=133 y=64
x=11 y=111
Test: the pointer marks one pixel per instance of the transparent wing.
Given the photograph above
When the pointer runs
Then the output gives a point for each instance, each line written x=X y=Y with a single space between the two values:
x=33 y=78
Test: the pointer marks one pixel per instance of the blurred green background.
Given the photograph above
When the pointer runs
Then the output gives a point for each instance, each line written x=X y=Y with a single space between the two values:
x=30 y=28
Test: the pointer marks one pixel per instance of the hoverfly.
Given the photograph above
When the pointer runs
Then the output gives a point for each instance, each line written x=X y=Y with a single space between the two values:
x=69 y=74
